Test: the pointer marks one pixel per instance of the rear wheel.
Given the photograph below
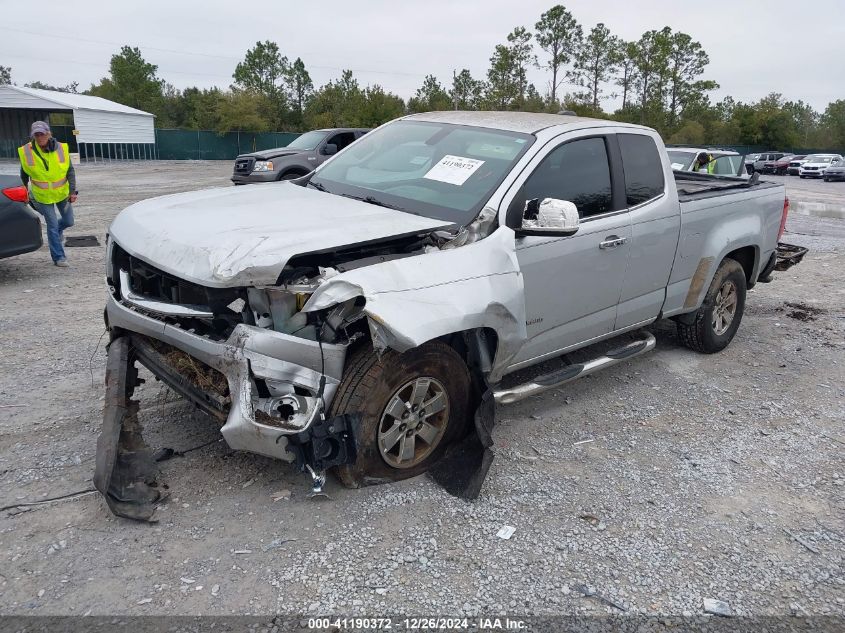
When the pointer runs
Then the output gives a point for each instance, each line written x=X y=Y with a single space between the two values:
x=413 y=405
x=719 y=316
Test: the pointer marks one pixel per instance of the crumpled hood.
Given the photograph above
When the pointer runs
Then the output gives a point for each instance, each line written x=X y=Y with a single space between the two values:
x=244 y=236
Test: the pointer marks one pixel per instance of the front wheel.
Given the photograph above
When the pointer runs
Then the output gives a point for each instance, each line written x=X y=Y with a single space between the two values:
x=412 y=406
x=719 y=316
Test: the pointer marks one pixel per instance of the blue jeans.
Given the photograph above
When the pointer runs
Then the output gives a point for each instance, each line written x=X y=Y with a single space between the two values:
x=55 y=226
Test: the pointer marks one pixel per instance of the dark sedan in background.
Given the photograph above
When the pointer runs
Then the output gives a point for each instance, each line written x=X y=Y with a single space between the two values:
x=20 y=226
x=834 y=172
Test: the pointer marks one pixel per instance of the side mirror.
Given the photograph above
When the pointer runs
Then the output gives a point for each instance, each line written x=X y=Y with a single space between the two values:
x=549 y=216
x=329 y=149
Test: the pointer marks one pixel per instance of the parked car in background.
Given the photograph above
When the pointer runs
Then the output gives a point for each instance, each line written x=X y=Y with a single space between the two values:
x=750 y=159
x=780 y=166
x=760 y=163
x=795 y=164
x=725 y=162
x=20 y=226
x=775 y=166
x=297 y=159
x=835 y=172
x=817 y=165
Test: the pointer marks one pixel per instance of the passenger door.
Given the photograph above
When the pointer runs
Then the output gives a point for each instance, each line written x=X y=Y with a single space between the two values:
x=655 y=228
x=572 y=284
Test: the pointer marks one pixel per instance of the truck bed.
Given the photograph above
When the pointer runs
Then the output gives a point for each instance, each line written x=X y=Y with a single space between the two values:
x=694 y=186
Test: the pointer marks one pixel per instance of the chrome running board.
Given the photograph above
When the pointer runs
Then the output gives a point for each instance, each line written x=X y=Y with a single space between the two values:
x=644 y=343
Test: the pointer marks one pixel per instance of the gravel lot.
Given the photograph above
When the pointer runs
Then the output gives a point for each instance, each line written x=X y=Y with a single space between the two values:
x=660 y=483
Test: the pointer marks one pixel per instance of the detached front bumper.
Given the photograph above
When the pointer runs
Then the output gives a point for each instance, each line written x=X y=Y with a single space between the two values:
x=251 y=355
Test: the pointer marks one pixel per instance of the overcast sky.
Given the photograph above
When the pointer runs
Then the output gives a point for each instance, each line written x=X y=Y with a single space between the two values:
x=755 y=47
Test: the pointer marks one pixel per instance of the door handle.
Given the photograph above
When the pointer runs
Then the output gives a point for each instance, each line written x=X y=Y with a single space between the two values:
x=612 y=241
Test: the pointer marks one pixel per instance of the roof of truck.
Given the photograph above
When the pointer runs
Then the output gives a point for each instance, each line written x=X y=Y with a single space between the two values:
x=526 y=122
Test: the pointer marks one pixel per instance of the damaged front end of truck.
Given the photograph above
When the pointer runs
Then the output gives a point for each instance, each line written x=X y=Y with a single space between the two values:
x=266 y=360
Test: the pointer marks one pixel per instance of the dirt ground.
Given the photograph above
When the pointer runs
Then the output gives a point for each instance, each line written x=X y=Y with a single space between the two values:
x=660 y=483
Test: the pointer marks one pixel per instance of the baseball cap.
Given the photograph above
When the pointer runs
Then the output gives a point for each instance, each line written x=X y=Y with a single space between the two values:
x=39 y=127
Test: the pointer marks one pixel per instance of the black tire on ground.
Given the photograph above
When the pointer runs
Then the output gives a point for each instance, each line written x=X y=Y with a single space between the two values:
x=370 y=383
x=826 y=179
x=802 y=176
x=701 y=334
x=291 y=175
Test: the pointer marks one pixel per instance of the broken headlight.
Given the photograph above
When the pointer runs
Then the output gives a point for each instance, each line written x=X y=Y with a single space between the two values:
x=280 y=310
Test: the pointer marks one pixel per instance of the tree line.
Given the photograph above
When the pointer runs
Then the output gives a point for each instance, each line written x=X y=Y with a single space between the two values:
x=658 y=80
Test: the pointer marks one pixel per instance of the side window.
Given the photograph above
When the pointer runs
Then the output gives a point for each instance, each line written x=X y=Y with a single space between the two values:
x=576 y=171
x=726 y=166
x=342 y=140
x=642 y=166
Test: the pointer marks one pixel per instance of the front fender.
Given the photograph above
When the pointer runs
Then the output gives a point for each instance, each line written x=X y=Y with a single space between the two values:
x=416 y=299
x=304 y=166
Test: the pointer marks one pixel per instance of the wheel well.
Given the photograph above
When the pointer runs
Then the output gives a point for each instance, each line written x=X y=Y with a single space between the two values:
x=477 y=347
x=747 y=258
x=293 y=170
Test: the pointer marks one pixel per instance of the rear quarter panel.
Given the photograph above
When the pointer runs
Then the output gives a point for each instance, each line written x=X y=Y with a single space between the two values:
x=713 y=227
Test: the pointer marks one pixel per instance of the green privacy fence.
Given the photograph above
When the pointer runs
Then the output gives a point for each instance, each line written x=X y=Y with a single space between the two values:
x=208 y=145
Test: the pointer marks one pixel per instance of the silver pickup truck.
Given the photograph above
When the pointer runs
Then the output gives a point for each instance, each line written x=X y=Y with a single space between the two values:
x=363 y=318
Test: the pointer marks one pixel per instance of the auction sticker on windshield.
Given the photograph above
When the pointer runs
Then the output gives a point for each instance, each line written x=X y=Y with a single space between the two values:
x=454 y=169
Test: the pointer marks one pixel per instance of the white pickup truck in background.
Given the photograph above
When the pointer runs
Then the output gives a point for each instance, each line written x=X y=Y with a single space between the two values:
x=363 y=318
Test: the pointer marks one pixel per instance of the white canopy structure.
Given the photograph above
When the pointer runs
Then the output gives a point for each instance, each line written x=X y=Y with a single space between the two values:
x=101 y=128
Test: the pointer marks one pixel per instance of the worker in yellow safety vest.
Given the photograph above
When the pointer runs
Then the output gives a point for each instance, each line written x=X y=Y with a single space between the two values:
x=47 y=170
x=702 y=161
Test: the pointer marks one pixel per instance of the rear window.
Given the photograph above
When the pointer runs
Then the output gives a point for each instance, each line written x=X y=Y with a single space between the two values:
x=642 y=166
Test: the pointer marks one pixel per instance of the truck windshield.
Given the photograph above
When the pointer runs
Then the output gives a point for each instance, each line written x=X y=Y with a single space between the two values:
x=309 y=140
x=441 y=171
x=681 y=160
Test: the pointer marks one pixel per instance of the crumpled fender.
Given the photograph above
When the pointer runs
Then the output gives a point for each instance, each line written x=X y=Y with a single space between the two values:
x=416 y=299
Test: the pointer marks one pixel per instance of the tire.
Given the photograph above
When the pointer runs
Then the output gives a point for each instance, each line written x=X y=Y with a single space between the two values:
x=826 y=179
x=291 y=175
x=802 y=177
x=706 y=334
x=371 y=383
